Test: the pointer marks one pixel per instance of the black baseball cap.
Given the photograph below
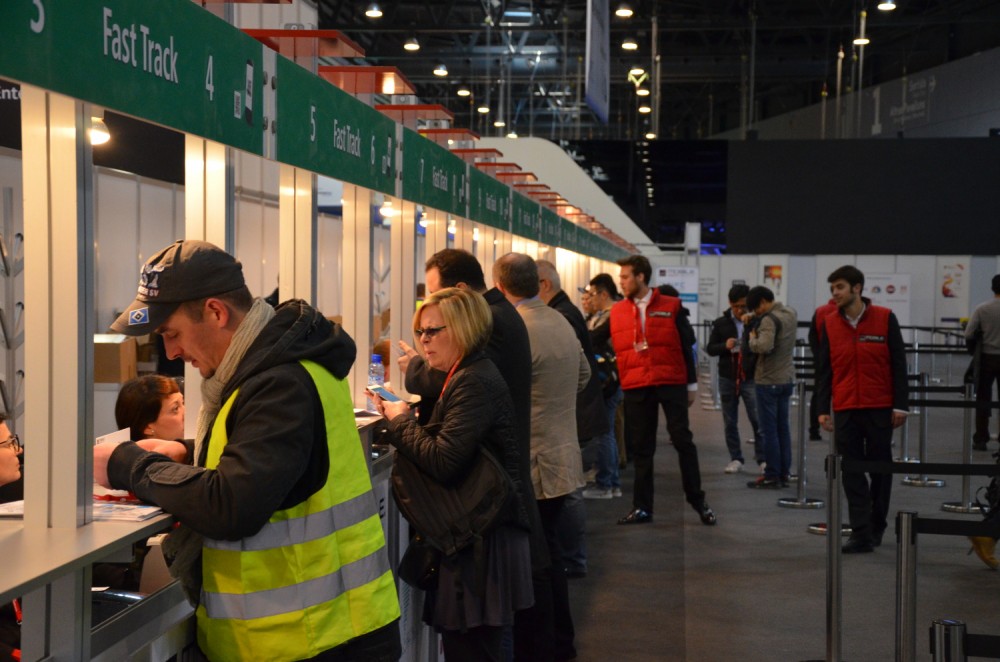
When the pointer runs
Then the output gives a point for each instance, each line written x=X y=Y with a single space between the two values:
x=187 y=270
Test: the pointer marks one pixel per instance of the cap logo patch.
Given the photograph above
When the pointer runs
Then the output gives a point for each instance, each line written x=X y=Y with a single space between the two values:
x=139 y=316
x=149 y=281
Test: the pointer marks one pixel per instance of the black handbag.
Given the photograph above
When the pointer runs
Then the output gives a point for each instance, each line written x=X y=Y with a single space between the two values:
x=420 y=564
x=451 y=517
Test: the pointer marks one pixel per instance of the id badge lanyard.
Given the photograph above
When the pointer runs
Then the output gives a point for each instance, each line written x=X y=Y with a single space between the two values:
x=639 y=344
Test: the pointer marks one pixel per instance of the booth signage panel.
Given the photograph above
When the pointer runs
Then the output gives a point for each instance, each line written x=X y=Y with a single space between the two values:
x=169 y=62
x=327 y=131
x=527 y=217
x=569 y=237
x=433 y=176
x=551 y=226
x=489 y=200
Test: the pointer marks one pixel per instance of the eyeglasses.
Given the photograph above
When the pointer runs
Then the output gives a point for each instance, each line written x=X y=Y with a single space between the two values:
x=430 y=331
x=13 y=442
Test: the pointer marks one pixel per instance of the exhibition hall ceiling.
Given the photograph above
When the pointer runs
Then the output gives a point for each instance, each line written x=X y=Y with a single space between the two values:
x=525 y=59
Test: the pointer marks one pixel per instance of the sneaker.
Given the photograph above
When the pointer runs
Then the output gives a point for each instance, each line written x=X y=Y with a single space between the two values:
x=734 y=467
x=763 y=483
x=763 y=466
x=616 y=491
x=597 y=492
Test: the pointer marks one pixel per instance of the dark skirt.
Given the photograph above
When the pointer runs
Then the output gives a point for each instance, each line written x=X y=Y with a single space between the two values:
x=457 y=605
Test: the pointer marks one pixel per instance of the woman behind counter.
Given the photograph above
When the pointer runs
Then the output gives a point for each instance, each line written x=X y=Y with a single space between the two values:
x=452 y=327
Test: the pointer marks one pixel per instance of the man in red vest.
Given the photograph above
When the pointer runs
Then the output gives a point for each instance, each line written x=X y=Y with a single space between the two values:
x=862 y=368
x=652 y=341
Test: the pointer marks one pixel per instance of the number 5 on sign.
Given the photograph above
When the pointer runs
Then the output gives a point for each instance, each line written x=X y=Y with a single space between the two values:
x=38 y=24
x=312 y=123
x=209 y=85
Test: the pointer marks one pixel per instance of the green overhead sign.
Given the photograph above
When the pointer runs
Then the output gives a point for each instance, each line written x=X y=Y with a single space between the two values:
x=527 y=217
x=169 y=62
x=433 y=176
x=489 y=200
x=550 y=227
x=326 y=130
x=569 y=236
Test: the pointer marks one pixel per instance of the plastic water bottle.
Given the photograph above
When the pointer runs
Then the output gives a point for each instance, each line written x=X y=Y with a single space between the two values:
x=376 y=376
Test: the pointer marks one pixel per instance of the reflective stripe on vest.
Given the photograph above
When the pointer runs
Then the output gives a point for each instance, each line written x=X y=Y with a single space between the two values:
x=317 y=574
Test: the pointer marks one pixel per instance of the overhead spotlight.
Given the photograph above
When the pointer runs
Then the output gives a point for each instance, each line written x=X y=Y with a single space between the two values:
x=887 y=5
x=629 y=44
x=650 y=136
x=499 y=124
x=512 y=134
x=483 y=110
x=644 y=109
x=642 y=91
x=441 y=70
x=411 y=45
x=373 y=11
x=463 y=91
x=387 y=210
x=636 y=71
x=475 y=234
x=861 y=41
x=624 y=11
x=98 y=131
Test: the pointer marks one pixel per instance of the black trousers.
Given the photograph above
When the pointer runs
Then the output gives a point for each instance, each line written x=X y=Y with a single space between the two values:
x=481 y=644
x=989 y=373
x=642 y=414
x=865 y=434
x=563 y=646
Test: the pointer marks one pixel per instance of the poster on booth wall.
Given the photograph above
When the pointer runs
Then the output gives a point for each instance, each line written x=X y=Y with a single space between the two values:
x=891 y=291
x=685 y=280
x=773 y=276
x=951 y=298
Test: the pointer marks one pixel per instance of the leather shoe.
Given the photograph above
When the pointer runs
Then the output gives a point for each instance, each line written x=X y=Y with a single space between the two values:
x=637 y=516
x=877 y=538
x=857 y=546
x=984 y=547
x=706 y=514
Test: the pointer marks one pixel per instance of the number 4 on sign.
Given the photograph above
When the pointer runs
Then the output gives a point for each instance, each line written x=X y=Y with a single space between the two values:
x=209 y=85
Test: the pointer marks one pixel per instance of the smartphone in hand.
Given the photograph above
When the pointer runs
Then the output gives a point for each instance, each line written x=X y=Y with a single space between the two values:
x=382 y=392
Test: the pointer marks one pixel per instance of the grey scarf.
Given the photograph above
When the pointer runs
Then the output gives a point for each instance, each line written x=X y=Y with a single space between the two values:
x=182 y=548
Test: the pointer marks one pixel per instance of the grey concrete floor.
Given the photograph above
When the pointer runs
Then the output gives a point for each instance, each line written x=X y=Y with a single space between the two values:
x=754 y=586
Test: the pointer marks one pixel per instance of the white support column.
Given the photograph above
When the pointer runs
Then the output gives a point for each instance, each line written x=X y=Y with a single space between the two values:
x=59 y=326
x=208 y=216
x=297 y=235
x=357 y=285
x=402 y=293
x=436 y=230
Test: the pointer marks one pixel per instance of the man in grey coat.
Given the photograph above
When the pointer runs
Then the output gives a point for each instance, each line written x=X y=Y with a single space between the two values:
x=772 y=339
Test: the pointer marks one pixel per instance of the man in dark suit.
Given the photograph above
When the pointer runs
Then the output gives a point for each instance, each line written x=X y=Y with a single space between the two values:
x=510 y=350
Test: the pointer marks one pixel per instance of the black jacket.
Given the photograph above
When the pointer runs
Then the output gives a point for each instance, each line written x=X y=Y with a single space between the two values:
x=591 y=416
x=474 y=409
x=724 y=328
x=510 y=350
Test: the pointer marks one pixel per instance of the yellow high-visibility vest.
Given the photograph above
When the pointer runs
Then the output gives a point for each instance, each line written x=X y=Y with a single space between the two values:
x=317 y=575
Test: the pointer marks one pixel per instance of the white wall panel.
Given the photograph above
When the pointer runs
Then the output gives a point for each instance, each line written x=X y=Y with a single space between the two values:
x=329 y=268
x=116 y=236
x=249 y=239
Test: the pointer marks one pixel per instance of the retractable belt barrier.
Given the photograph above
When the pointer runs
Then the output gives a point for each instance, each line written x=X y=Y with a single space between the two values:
x=908 y=526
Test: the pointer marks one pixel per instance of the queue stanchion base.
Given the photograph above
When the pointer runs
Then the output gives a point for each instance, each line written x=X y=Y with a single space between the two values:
x=819 y=528
x=801 y=504
x=911 y=460
x=922 y=481
x=969 y=508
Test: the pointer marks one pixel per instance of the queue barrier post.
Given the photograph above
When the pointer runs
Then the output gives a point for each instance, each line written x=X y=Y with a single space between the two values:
x=906 y=587
x=948 y=640
x=966 y=506
x=922 y=480
x=800 y=501
x=833 y=553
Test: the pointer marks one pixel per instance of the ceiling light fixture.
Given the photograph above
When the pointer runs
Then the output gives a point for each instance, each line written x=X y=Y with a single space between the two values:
x=650 y=136
x=862 y=41
x=499 y=124
x=644 y=109
x=373 y=11
x=636 y=71
x=411 y=45
x=642 y=91
x=463 y=91
x=483 y=110
x=624 y=11
x=387 y=210
x=512 y=134
x=629 y=44
x=441 y=70
x=887 y=5
x=98 y=132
